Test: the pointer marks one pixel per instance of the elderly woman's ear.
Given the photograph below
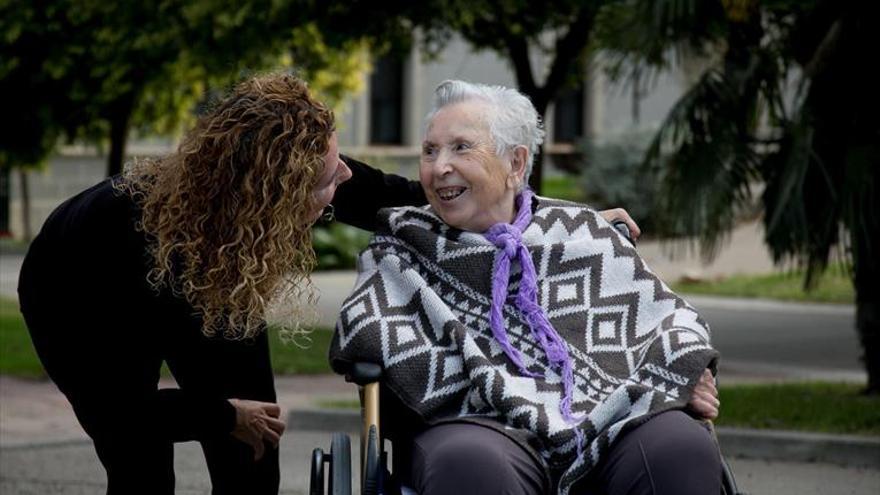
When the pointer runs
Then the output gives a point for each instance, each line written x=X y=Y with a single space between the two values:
x=518 y=159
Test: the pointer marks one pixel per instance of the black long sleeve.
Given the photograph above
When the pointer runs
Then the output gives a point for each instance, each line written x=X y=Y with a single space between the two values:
x=369 y=190
x=84 y=293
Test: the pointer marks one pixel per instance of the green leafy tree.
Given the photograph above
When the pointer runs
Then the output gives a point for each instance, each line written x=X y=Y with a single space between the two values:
x=95 y=70
x=787 y=104
x=31 y=89
x=334 y=67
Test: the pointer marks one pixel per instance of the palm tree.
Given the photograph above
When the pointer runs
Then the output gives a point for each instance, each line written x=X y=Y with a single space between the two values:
x=789 y=106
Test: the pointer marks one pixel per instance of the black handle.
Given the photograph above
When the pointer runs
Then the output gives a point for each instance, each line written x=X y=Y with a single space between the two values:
x=621 y=227
x=363 y=373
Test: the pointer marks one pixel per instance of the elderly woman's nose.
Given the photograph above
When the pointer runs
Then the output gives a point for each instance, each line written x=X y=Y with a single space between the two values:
x=443 y=164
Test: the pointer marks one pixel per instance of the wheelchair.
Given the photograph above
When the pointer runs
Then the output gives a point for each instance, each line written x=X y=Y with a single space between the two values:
x=374 y=472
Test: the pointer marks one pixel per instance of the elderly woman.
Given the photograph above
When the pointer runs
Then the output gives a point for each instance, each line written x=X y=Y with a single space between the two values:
x=533 y=347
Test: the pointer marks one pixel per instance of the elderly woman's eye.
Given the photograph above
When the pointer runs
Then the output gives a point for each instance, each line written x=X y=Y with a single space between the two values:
x=462 y=146
x=428 y=151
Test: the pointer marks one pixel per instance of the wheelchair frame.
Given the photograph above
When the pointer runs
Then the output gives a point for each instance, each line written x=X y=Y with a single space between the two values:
x=373 y=468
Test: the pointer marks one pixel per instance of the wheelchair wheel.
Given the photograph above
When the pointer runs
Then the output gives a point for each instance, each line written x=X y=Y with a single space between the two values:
x=372 y=466
x=340 y=465
x=316 y=479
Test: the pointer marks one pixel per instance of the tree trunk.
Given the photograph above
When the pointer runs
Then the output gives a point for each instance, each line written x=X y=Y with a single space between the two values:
x=866 y=266
x=5 y=177
x=26 y=232
x=120 y=118
x=636 y=97
x=567 y=50
x=537 y=177
x=535 y=180
x=868 y=325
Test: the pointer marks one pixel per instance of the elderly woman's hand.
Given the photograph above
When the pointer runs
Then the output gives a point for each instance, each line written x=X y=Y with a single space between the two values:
x=616 y=214
x=256 y=422
x=704 y=401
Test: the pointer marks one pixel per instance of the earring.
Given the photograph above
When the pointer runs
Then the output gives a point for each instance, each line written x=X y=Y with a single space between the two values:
x=329 y=214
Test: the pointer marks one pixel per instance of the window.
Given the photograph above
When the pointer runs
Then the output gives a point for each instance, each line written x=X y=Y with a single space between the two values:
x=568 y=115
x=386 y=101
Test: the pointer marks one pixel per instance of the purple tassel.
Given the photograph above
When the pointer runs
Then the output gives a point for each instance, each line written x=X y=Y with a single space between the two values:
x=508 y=238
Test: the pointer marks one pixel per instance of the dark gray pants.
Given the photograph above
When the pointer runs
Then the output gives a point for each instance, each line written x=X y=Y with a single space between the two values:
x=669 y=454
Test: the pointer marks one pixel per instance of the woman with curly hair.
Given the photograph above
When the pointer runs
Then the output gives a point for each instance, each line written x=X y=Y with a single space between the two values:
x=177 y=260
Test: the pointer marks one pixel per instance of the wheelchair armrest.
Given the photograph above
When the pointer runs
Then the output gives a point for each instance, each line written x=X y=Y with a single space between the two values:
x=362 y=373
x=621 y=227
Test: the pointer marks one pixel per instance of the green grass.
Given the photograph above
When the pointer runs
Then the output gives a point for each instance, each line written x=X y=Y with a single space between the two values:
x=18 y=358
x=309 y=357
x=834 y=286
x=818 y=407
x=563 y=187
x=10 y=245
x=339 y=404
x=17 y=355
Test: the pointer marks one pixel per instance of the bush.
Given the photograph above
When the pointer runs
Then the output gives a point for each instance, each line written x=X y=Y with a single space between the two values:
x=613 y=176
x=337 y=245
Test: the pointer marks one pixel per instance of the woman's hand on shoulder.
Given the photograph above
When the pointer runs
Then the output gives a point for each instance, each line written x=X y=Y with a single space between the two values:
x=704 y=401
x=619 y=214
x=257 y=422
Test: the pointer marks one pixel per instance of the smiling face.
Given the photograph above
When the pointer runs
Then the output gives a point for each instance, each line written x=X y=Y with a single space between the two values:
x=335 y=172
x=467 y=184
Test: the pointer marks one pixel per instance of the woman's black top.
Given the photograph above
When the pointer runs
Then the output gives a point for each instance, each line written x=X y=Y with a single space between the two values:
x=86 y=273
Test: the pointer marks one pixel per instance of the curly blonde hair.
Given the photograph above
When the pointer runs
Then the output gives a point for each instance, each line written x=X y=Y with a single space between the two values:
x=228 y=215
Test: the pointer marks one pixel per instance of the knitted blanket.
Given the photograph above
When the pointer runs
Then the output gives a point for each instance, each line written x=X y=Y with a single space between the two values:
x=421 y=308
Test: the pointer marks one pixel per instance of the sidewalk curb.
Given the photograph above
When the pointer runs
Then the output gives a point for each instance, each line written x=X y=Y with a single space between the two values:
x=793 y=446
x=329 y=420
x=703 y=301
x=843 y=450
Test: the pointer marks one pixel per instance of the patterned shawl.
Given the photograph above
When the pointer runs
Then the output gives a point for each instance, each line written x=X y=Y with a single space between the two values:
x=421 y=309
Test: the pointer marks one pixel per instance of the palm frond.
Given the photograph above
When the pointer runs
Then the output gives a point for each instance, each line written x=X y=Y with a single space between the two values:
x=801 y=200
x=706 y=157
x=643 y=37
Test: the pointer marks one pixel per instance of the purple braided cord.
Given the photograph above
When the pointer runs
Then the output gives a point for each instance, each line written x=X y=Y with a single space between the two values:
x=508 y=238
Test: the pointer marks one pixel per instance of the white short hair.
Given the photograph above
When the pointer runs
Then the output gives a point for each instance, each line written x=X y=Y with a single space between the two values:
x=512 y=118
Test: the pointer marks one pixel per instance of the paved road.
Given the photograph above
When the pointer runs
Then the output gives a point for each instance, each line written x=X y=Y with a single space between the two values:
x=784 y=338
x=10 y=264
x=73 y=469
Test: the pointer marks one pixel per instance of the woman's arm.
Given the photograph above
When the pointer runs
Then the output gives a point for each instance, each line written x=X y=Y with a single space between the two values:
x=358 y=200
x=369 y=190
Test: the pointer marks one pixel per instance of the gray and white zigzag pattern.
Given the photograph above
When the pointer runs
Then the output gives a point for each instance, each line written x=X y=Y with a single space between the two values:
x=421 y=309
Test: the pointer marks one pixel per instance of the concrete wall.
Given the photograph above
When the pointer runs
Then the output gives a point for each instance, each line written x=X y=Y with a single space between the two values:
x=66 y=174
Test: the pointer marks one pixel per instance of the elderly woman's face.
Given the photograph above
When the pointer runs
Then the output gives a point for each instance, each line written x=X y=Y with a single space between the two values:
x=467 y=184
